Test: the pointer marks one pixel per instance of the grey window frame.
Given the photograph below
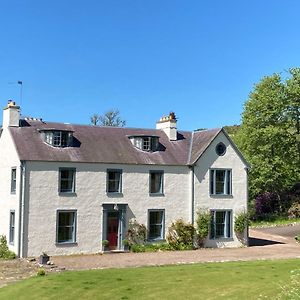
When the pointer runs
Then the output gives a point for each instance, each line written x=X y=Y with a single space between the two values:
x=12 y=227
x=162 y=236
x=227 y=187
x=58 y=138
x=120 y=172
x=60 y=191
x=227 y=226
x=13 y=180
x=74 y=225
x=161 y=173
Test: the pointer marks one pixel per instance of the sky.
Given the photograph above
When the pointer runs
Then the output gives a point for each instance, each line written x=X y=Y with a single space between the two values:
x=200 y=59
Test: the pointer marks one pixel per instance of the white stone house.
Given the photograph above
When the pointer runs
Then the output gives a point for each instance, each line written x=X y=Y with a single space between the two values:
x=65 y=188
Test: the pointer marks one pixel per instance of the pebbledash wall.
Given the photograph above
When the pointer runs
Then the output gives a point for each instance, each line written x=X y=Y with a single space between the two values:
x=90 y=193
x=237 y=202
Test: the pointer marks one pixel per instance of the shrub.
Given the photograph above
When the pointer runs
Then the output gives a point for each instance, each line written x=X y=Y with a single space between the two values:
x=41 y=272
x=294 y=211
x=297 y=237
x=266 y=203
x=136 y=233
x=5 y=253
x=203 y=223
x=241 y=222
x=181 y=235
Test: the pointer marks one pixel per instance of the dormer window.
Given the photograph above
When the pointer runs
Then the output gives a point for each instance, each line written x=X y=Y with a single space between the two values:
x=145 y=143
x=58 y=138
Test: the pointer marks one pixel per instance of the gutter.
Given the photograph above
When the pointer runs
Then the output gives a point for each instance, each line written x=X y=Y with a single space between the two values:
x=21 y=209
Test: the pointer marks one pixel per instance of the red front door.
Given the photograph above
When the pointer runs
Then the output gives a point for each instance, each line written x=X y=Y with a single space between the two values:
x=112 y=231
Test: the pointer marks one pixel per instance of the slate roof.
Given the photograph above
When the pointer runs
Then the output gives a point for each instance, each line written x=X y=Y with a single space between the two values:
x=109 y=145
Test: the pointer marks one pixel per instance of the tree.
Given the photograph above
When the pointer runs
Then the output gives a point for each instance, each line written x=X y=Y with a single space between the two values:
x=110 y=118
x=267 y=134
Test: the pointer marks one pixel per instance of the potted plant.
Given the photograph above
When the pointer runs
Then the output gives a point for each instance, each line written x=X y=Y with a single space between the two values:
x=105 y=244
x=126 y=245
x=44 y=258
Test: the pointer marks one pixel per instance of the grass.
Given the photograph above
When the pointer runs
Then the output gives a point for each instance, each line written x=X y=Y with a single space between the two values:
x=229 y=280
x=279 y=221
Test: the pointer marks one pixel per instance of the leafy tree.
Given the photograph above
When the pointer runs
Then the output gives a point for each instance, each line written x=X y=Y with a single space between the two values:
x=110 y=118
x=268 y=134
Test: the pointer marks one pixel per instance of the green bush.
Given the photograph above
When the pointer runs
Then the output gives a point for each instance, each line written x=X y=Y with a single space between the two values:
x=203 y=222
x=241 y=222
x=181 y=235
x=41 y=272
x=136 y=233
x=5 y=253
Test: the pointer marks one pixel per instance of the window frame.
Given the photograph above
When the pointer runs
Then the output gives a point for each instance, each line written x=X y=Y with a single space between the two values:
x=227 y=226
x=120 y=172
x=162 y=235
x=74 y=225
x=58 y=138
x=13 y=180
x=12 y=227
x=227 y=185
x=67 y=192
x=161 y=191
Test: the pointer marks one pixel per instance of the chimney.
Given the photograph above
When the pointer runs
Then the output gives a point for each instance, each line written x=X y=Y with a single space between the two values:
x=169 y=126
x=11 y=115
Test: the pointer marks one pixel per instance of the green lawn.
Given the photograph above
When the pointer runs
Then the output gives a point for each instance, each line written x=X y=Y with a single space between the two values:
x=229 y=280
x=279 y=221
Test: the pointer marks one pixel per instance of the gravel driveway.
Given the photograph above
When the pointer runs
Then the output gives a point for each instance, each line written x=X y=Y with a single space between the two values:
x=264 y=244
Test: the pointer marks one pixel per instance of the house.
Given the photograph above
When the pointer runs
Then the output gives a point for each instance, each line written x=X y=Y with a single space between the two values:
x=65 y=188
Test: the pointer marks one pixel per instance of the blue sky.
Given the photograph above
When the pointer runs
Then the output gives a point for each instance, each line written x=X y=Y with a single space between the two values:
x=199 y=59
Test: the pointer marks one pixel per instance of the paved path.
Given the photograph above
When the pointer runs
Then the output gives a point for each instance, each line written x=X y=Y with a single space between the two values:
x=265 y=244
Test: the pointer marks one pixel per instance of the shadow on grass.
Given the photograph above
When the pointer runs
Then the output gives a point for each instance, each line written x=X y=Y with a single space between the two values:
x=253 y=242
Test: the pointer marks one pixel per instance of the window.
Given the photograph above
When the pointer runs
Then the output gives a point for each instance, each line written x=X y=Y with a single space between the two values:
x=66 y=227
x=220 y=149
x=156 y=182
x=12 y=227
x=220 y=224
x=145 y=143
x=67 y=180
x=58 y=138
x=114 y=181
x=156 y=224
x=220 y=182
x=13 y=182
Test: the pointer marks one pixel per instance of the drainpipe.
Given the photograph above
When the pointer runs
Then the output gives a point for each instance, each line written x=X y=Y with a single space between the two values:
x=192 y=174
x=21 y=209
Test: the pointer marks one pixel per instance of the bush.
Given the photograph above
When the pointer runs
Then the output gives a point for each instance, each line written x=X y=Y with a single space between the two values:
x=41 y=272
x=5 y=253
x=181 y=235
x=203 y=223
x=136 y=233
x=266 y=204
x=294 y=211
x=241 y=222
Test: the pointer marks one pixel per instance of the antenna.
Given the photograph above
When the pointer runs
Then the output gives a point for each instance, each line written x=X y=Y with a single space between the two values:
x=21 y=91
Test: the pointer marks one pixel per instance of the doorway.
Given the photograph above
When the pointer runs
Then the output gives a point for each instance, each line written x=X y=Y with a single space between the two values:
x=112 y=230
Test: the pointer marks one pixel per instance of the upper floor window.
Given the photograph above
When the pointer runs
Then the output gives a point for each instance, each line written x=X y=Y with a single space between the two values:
x=67 y=180
x=58 y=138
x=220 y=182
x=145 y=143
x=13 y=182
x=156 y=182
x=114 y=181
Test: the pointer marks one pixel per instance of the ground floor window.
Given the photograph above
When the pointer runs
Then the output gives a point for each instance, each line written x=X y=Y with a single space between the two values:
x=12 y=227
x=220 y=224
x=66 y=226
x=156 y=224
